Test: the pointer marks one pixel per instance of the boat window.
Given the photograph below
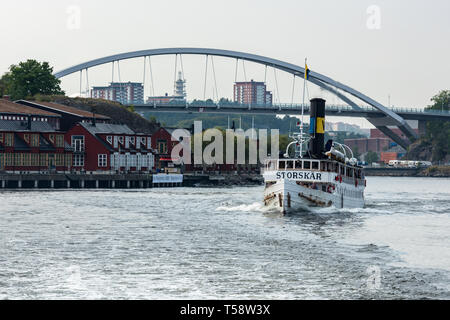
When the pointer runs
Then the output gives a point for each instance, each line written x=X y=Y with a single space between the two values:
x=272 y=165
x=298 y=164
x=315 y=165
x=306 y=165
x=290 y=165
x=342 y=170
x=281 y=165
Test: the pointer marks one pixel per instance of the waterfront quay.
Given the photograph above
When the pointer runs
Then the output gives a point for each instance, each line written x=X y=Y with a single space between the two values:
x=81 y=181
x=121 y=181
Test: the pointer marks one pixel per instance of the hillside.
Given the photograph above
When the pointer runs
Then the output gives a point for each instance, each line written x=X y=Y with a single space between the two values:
x=435 y=144
x=117 y=112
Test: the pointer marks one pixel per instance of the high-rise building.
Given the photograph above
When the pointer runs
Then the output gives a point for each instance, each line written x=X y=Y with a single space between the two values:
x=252 y=93
x=123 y=92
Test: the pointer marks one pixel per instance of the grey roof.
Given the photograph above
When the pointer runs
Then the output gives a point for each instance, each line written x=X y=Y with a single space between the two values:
x=107 y=128
x=36 y=126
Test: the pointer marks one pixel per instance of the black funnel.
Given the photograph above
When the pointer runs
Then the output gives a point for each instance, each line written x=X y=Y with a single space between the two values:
x=317 y=128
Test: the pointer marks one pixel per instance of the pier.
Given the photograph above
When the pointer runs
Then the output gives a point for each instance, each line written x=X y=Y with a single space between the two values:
x=120 y=181
x=81 y=181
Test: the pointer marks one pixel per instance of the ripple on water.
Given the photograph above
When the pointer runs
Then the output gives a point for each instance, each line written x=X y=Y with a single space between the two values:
x=221 y=243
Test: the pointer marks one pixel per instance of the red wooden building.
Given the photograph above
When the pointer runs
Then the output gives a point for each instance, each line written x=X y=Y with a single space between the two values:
x=103 y=147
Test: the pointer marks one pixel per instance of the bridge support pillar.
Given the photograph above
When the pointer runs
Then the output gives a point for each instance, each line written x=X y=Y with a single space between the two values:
x=19 y=184
x=68 y=184
x=422 y=127
x=113 y=184
x=128 y=184
x=3 y=184
x=52 y=184
x=97 y=184
x=36 y=184
x=82 y=184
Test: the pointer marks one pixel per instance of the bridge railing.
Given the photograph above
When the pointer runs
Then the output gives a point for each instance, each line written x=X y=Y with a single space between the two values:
x=285 y=106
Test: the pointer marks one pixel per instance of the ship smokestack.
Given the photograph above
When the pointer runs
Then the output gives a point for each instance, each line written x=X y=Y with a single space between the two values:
x=317 y=128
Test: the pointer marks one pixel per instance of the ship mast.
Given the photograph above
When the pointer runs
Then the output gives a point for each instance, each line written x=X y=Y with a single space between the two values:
x=299 y=138
x=303 y=110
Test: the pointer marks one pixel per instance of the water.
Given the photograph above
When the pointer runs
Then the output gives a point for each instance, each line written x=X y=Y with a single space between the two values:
x=221 y=244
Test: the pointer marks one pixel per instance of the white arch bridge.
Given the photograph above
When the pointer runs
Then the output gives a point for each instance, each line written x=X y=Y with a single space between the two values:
x=382 y=118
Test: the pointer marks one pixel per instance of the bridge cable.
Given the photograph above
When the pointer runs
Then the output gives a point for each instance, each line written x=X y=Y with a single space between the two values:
x=121 y=100
x=143 y=82
x=265 y=74
x=81 y=81
x=236 y=71
x=112 y=76
x=151 y=76
x=87 y=83
x=182 y=68
x=293 y=90
x=175 y=75
x=276 y=84
x=206 y=77
x=215 y=80
x=245 y=73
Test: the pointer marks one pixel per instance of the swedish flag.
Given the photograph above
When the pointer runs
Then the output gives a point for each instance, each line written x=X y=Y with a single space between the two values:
x=307 y=71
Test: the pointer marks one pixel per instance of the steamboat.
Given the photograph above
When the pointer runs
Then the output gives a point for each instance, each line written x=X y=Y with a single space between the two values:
x=322 y=176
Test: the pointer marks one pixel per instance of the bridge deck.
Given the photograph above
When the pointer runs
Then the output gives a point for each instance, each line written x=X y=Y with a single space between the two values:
x=291 y=109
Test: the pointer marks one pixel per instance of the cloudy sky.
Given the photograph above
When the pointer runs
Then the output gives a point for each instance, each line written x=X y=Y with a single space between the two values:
x=396 y=48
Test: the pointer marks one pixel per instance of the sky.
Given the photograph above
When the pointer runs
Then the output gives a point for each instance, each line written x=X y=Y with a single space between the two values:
x=394 y=51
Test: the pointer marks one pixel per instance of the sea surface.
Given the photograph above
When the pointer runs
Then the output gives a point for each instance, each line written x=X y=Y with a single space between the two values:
x=220 y=243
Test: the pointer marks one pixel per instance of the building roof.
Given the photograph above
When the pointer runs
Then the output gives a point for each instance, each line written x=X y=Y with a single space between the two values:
x=56 y=107
x=107 y=128
x=16 y=108
x=36 y=126
x=171 y=130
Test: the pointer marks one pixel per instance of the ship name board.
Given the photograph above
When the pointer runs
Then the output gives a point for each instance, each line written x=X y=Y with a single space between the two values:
x=298 y=175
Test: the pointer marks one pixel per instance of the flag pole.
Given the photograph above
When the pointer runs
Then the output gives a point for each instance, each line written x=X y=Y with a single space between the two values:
x=303 y=109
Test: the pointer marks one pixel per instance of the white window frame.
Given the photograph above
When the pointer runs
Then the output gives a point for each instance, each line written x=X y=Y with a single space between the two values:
x=102 y=160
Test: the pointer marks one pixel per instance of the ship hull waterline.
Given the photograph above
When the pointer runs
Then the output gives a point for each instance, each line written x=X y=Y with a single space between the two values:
x=287 y=196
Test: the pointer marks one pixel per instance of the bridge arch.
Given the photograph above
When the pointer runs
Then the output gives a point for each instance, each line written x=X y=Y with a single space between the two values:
x=320 y=80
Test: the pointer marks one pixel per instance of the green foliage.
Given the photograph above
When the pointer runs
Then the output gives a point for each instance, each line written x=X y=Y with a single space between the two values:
x=372 y=157
x=438 y=132
x=30 y=78
x=131 y=108
x=340 y=136
x=183 y=120
x=5 y=84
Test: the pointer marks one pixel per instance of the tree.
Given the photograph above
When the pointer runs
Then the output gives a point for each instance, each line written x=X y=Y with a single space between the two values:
x=31 y=78
x=5 y=84
x=438 y=132
x=372 y=157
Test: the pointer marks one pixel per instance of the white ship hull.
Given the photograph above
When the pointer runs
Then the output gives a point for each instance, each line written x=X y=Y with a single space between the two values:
x=289 y=195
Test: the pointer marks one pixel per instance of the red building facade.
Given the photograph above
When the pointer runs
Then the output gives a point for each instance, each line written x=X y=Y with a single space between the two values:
x=109 y=148
x=32 y=147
